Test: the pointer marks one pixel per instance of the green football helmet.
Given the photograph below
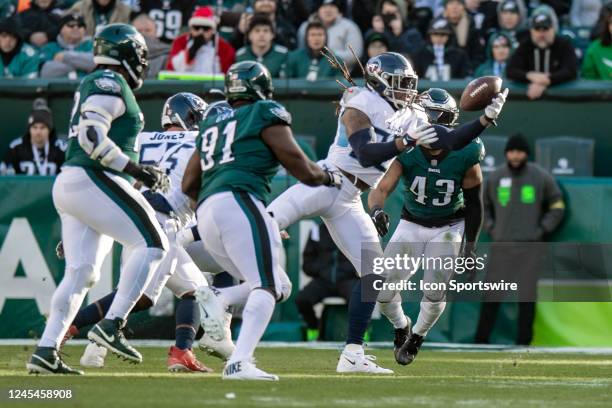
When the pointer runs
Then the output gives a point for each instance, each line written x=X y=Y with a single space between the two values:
x=440 y=107
x=121 y=44
x=248 y=80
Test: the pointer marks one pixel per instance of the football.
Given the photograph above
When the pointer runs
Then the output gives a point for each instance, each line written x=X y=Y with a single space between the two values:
x=479 y=93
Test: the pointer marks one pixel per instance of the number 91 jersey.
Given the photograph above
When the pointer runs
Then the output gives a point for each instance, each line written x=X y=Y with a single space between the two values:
x=432 y=186
x=233 y=155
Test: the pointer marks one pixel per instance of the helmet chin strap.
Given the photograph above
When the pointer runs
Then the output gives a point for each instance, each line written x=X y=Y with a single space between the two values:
x=131 y=73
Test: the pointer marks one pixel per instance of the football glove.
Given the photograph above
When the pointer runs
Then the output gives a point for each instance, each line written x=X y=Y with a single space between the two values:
x=423 y=135
x=334 y=178
x=493 y=110
x=381 y=220
x=152 y=177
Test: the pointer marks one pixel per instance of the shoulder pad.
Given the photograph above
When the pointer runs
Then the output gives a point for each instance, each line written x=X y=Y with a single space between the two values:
x=108 y=83
x=277 y=110
x=281 y=49
x=351 y=93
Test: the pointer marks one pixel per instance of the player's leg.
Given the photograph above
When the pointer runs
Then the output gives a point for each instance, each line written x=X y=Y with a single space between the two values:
x=406 y=240
x=129 y=219
x=350 y=227
x=444 y=244
x=314 y=292
x=250 y=239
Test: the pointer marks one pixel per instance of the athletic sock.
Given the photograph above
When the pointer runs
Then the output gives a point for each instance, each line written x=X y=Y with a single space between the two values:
x=138 y=269
x=394 y=312
x=255 y=318
x=429 y=314
x=236 y=295
x=187 y=322
x=360 y=313
x=94 y=312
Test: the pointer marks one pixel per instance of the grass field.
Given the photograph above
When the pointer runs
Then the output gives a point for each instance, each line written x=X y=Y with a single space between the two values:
x=308 y=379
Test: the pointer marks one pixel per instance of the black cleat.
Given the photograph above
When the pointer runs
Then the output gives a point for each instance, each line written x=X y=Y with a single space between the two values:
x=45 y=360
x=109 y=334
x=401 y=336
x=410 y=349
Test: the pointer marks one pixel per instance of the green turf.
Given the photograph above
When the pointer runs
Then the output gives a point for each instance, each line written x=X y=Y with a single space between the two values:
x=308 y=379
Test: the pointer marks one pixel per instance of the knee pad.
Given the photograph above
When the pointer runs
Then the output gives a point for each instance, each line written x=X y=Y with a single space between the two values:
x=84 y=276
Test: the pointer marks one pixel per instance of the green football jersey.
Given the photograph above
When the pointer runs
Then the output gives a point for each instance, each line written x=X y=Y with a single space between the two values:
x=432 y=186
x=233 y=155
x=124 y=129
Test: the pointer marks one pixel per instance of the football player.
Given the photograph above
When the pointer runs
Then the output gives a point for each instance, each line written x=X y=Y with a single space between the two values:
x=96 y=202
x=442 y=209
x=365 y=144
x=229 y=176
x=170 y=150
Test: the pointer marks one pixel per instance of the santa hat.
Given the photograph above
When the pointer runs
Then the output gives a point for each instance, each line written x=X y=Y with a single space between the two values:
x=203 y=16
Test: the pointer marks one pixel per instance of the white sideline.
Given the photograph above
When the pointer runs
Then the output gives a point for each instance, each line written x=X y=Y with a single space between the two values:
x=331 y=345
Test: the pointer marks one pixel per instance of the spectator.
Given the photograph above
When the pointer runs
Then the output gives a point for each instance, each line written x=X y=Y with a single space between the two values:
x=293 y=11
x=7 y=9
x=169 y=16
x=545 y=58
x=389 y=21
x=332 y=275
x=375 y=44
x=466 y=36
x=261 y=47
x=511 y=17
x=284 y=32
x=522 y=205
x=602 y=21
x=158 y=50
x=597 y=60
x=37 y=152
x=340 y=31
x=483 y=13
x=194 y=51
x=40 y=22
x=560 y=7
x=585 y=13
x=308 y=62
x=100 y=13
x=499 y=48
x=71 y=54
x=440 y=60
x=17 y=59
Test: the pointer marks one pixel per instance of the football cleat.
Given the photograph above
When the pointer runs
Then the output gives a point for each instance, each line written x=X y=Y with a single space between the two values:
x=93 y=356
x=246 y=370
x=351 y=362
x=401 y=336
x=108 y=333
x=411 y=348
x=221 y=349
x=184 y=361
x=46 y=360
x=72 y=331
x=212 y=313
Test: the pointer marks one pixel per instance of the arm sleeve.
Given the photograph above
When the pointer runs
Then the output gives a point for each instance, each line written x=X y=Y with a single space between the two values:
x=473 y=212
x=554 y=206
x=458 y=138
x=369 y=153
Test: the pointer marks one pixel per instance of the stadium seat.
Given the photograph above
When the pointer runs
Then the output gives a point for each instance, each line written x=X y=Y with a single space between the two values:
x=494 y=152
x=566 y=155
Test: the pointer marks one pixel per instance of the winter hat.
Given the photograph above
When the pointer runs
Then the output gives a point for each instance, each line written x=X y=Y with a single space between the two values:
x=509 y=6
x=517 y=142
x=11 y=26
x=439 y=25
x=43 y=116
x=203 y=16
x=70 y=18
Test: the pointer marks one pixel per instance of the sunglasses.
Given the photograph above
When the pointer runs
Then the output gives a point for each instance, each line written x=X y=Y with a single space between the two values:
x=201 y=28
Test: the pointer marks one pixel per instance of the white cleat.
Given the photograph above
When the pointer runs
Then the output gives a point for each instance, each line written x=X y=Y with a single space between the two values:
x=220 y=349
x=212 y=313
x=246 y=370
x=358 y=362
x=93 y=356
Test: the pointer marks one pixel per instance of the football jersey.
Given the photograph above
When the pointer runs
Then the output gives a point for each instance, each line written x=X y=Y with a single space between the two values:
x=233 y=155
x=378 y=111
x=170 y=151
x=170 y=16
x=432 y=187
x=123 y=130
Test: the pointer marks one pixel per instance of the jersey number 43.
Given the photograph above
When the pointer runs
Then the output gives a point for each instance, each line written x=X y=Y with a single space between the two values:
x=418 y=189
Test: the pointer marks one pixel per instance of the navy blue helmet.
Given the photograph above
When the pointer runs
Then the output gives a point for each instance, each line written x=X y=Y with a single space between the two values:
x=392 y=77
x=184 y=109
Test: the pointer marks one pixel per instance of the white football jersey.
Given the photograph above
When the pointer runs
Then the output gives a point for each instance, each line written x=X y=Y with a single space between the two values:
x=170 y=151
x=378 y=111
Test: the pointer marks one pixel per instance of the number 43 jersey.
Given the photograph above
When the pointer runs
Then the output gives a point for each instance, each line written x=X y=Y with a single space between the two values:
x=170 y=151
x=233 y=155
x=432 y=184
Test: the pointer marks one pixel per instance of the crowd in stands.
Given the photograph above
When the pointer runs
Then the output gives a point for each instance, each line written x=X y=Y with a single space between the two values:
x=538 y=42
